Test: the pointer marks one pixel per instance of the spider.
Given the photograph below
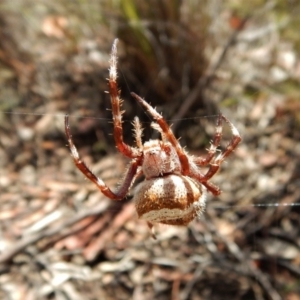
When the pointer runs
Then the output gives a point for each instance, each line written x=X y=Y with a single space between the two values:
x=174 y=189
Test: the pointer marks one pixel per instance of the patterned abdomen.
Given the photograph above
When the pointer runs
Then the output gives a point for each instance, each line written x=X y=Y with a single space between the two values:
x=172 y=199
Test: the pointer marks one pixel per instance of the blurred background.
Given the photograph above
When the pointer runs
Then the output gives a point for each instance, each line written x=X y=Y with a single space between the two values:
x=60 y=237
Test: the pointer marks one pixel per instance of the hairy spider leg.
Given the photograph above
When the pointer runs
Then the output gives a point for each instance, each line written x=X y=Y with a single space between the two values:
x=116 y=104
x=205 y=160
x=129 y=178
x=236 y=139
x=215 y=166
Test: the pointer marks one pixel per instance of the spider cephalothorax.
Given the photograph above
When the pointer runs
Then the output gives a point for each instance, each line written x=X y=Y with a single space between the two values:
x=174 y=189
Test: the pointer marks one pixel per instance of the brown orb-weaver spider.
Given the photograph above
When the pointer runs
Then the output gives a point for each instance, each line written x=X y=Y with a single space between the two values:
x=174 y=189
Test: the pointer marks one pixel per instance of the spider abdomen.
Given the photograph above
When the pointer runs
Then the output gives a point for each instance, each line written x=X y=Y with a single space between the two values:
x=172 y=199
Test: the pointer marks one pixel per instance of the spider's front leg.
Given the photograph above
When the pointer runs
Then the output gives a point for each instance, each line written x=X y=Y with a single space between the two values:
x=116 y=103
x=128 y=180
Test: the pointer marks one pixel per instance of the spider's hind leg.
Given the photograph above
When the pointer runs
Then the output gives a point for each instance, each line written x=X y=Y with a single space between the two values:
x=204 y=160
x=236 y=139
x=216 y=163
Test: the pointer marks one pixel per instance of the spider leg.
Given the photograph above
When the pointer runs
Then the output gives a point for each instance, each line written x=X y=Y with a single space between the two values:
x=236 y=139
x=215 y=166
x=202 y=161
x=80 y=164
x=203 y=178
x=168 y=133
x=116 y=103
